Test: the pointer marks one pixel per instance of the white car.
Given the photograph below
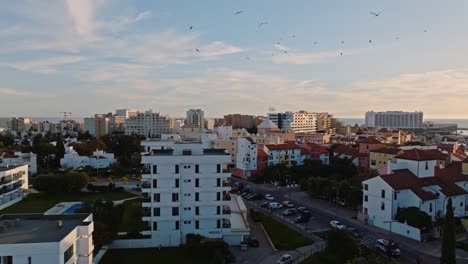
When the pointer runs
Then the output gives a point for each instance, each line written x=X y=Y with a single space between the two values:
x=274 y=205
x=384 y=245
x=288 y=204
x=269 y=197
x=285 y=259
x=337 y=225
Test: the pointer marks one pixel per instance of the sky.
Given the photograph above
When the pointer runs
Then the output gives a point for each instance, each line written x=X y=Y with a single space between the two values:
x=95 y=56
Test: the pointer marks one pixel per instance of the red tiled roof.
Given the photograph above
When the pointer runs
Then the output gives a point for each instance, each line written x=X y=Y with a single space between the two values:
x=249 y=139
x=459 y=156
x=370 y=140
x=261 y=153
x=393 y=151
x=347 y=151
x=282 y=146
x=446 y=147
x=304 y=151
x=420 y=154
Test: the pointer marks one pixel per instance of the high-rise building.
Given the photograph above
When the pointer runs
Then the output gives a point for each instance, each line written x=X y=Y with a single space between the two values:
x=395 y=119
x=299 y=122
x=116 y=123
x=196 y=117
x=240 y=121
x=126 y=113
x=148 y=124
x=90 y=125
x=102 y=125
x=20 y=124
x=186 y=191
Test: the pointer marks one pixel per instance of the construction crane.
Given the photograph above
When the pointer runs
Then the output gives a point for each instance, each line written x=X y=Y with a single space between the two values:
x=65 y=114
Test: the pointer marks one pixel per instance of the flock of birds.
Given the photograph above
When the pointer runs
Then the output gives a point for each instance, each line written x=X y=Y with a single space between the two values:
x=293 y=36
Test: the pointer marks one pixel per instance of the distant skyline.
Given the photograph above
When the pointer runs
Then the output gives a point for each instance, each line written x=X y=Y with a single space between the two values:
x=95 y=56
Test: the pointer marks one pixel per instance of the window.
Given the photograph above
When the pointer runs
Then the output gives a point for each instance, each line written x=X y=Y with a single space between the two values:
x=430 y=207
x=157 y=211
x=461 y=204
x=197 y=197
x=218 y=196
x=427 y=165
x=6 y=260
x=197 y=168
x=365 y=210
x=155 y=183
x=382 y=206
x=366 y=187
x=197 y=210
x=197 y=182
x=155 y=226
x=177 y=169
x=218 y=168
x=395 y=196
x=187 y=208
x=366 y=198
x=218 y=223
x=176 y=183
x=29 y=260
x=157 y=197
x=175 y=197
x=382 y=194
x=197 y=224
x=218 y=210
x=155 y=169
x=218 y=182
x=175 y=211
x=176 y=225
x=68 y=254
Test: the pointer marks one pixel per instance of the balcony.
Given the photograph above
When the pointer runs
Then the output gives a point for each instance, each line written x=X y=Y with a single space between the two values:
x=146 y=226
x=226 y=209
x=226 y=223
x=10 y=188
x=226 y=184
x=145 y=185
x=146 y=212
x=227 y=197
x=5 y=181
x=146 y=170
x=146 y=199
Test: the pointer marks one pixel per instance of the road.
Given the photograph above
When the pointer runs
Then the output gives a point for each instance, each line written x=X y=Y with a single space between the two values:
x=321 y=221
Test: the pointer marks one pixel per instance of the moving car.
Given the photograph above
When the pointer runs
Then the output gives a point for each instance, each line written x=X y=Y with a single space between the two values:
x=288 y=204
x=337 y=225
x=353 y=231
x=269 y=197
x=290 y=211
x=252 y=241
x=301 y=219
x=274 y=205
x=389 y=248
x=285 y=259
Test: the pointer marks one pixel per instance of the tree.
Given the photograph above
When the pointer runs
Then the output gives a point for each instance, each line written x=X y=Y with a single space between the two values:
x=71 y=181
x=60 y=150
x=448 y=236
x=342 y=245
x=414 y=217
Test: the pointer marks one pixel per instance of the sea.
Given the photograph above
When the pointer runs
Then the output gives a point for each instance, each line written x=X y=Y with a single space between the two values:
x=461 y=123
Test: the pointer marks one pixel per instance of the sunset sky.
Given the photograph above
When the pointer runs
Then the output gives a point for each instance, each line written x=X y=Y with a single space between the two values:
x=88 y=57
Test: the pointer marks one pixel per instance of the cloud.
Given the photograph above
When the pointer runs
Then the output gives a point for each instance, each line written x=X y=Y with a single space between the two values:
x=291 y=56
x=81 y=13
x=216 y=49
x=16 y=92
x=45 y=66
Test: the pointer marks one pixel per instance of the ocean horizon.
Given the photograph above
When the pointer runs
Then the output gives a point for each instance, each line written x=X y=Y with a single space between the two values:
x=461 y=123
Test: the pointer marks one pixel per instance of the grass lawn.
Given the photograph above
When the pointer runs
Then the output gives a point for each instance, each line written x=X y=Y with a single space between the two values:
x=283 y=237
x=129 y=221
x=39 y=203
x=151 y=255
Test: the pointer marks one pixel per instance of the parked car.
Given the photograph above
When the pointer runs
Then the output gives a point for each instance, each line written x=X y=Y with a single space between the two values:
x=244 y=194
x=303 y=210
x=389 y=248
x=285 y=259
x=252 y=241
x=269 y=197
x=290 y=211
x=288 y=204
x=249 y=196
x=274 y=205
x=353 y=231
x=337 y=225
x=265 y=204
x=301 y=219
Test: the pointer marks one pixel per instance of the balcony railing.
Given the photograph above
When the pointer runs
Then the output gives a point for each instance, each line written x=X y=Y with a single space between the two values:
x=146 y=199
x=145 y=170
x=145 y=185
x=146 y=213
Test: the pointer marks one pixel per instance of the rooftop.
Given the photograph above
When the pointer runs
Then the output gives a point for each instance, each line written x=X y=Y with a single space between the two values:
x=282 y=146
x=393 y=151
x=5 y=168
x=421 y=155
x=38 y=228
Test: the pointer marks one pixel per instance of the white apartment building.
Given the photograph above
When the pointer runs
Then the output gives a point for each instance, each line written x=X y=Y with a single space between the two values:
x=51 y=239
x=287 y=154
x=417 y=178
x=395 y=119
x=99 y=160
x=13 y=183
x=246 y=158
x=19 y=158
x=148 y=124
x=299 y=122
x=126 y=113
x=196 y=117
x=185 y=192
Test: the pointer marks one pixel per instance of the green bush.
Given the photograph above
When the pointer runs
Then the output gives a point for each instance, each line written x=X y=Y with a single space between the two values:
x=414 y=217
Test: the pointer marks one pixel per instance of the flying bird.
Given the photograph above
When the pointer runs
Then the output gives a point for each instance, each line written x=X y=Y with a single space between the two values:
x=190 y=28
x=293 y=36
x=376 y=14
x=370 y=41
x=342 y=41
x=285 y=51
x=238 y=12
x=247 y=58
x=315 y=43
x=278 y=43
x=425 y=30
x=197 y=50
x=341 y=54
x=261 y=24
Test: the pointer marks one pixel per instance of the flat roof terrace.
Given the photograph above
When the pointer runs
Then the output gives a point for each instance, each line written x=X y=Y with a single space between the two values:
x=38 y=228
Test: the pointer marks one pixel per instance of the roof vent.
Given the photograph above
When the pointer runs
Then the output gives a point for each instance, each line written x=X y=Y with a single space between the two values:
x=59 y=224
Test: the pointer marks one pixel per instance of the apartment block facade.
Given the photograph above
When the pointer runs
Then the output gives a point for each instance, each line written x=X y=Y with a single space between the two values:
x=13 y=183
x=395 y=119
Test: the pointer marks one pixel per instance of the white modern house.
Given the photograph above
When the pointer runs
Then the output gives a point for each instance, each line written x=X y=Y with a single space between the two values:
x=284 y=154
x=417 y=178
x=19 y=158
x=246 y=158
x=13 y=183
x=99 y=159
x=51 y=239
x=187 y=192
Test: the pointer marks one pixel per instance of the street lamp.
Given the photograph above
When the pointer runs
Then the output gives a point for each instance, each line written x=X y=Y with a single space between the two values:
x=390 y=223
